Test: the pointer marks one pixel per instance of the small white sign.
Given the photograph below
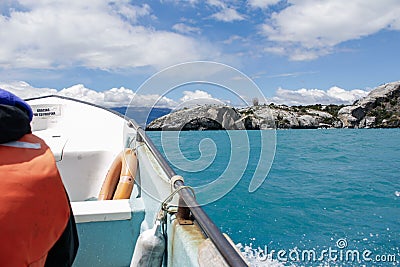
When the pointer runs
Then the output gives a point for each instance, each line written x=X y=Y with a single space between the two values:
x=46 y=110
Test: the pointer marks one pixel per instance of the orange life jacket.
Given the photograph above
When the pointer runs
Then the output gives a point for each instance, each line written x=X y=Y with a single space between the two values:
x=34 y=208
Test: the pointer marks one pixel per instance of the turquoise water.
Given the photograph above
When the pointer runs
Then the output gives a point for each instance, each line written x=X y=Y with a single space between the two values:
x=326 y=190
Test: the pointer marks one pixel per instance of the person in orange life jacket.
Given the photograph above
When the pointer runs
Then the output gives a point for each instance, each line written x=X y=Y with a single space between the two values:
x=37 y=226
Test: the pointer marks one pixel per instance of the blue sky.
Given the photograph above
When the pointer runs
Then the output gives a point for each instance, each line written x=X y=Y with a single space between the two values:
x=296 y=51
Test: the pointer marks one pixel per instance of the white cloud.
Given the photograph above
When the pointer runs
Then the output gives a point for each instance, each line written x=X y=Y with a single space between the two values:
x=216 y=3
x=308 y=29
x=121 y=95
x=185 y=29
x=334 y=95
x=94 y=34
x=80 y=92
x=232 y=39
x=115 y=97
x=185 y=3
x=190 y=95
x=262 y=3
x=152 y=100
x=228 y=15
x=131 y=13
x=198 y=97
x=292 y=74
x=25 y=90
x=226 y=12
x=346 y=96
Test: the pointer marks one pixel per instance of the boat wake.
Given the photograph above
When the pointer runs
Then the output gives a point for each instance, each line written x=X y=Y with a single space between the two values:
x=255 y=257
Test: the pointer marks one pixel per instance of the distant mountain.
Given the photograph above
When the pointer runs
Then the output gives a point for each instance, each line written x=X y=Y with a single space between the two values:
x=142 y=115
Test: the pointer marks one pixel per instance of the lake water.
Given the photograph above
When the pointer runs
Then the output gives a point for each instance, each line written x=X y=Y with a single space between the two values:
x=331 y=198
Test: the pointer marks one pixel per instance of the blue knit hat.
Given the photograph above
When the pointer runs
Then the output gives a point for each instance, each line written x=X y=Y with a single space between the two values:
x=7 y=98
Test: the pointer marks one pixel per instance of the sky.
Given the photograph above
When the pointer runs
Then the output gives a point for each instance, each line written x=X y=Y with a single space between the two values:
x=295 y=51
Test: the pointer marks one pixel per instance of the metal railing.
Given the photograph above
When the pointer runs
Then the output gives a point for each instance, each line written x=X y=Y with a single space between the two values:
x=229 y=253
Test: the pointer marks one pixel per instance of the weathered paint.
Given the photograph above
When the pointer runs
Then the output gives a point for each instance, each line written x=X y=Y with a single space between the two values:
x=209 y=255
x=183 y=243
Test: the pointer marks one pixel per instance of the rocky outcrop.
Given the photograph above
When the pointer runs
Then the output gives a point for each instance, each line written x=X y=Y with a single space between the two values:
x=379 y=109
x=251 y=118
x=199 y=118
x=264 y=117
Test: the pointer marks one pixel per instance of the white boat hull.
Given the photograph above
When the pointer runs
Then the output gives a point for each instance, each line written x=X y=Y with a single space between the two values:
x=85 y=139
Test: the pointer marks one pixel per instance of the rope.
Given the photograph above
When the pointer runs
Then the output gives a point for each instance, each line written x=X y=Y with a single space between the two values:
x=134 y=144
x=165 y=206
x=162 y=214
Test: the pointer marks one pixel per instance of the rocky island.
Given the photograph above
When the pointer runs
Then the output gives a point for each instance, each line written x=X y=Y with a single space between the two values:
x=379 y=109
